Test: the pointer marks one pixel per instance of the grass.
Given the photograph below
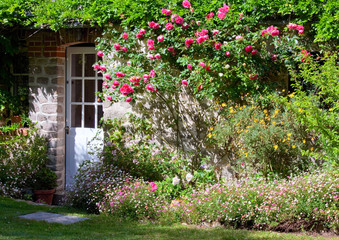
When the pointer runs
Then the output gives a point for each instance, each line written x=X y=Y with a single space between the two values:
x=105 y=227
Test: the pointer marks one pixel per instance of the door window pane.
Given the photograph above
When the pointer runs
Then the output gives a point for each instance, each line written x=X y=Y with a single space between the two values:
x=89 y=116
x=89 y=90
x=89 y=61
x=76 y=93
x=76 y=115
x=76 y=65
x=100 y=115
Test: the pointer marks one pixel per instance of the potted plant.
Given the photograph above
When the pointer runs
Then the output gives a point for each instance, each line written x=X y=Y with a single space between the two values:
x=44 y=183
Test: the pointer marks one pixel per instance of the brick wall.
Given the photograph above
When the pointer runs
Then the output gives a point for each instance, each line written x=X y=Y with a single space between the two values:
x=46 y=51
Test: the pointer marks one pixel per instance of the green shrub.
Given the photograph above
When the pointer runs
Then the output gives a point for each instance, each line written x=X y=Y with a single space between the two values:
x=263 y=136
x=316 y=103
x=91 y=183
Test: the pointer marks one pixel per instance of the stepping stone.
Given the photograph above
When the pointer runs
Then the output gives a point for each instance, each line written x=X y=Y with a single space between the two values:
x=53 y=217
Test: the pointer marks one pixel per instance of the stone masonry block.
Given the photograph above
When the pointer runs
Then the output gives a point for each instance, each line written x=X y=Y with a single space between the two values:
x=49 y=108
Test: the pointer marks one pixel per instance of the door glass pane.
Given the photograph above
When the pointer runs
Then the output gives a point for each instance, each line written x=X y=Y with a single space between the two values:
x=76 y=65
x=76 y=93
x=89 y=90
x=99 y=89
x=89 y=116
x=89 y=61
x=100 y=115
x=76 y=115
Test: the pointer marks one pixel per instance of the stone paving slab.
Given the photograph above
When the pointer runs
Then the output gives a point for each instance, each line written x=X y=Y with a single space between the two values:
x=53 y=217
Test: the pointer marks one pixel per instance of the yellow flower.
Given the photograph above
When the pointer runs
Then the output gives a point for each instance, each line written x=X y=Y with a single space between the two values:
x=289 y=134
x=300 y=110
x=275 y=147
x=209 y=135
x=304 y=141
x=265 y=111
x=273 y=123
x=276 y=111
x=293 y=146
x=312 y=148
x=284 y=140
x=288 y=139
x=211 y=129
x=224 y=105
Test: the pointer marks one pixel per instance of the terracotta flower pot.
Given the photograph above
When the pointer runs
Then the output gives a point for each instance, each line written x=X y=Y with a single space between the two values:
x=44 y=196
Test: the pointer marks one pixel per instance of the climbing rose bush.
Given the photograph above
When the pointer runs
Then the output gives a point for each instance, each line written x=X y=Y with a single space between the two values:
x=218 y=58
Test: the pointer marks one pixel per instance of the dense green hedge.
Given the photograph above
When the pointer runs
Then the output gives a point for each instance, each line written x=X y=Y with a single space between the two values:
x=323 y=15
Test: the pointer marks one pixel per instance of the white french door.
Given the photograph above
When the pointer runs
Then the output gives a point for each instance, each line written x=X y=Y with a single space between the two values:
x=83 y=109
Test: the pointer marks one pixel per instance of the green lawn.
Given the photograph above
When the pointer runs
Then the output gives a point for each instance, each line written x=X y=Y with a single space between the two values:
x=101 y=227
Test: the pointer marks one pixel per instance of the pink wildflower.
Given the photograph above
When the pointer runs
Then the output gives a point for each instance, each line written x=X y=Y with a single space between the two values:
x=126 y=89
x=116 y=83
x=102 y=68
x=128 y=99
x=248 y=49
x=117 y=46
x=166 y=12
x=96 y=66
x=169 y=26
x=100 y=54
x=170 y=49
x=202 y=64
x=161 y=38
x=109 y=98
x=210 y=15
x=184 y=82
x=119 y=74
x=189 y=66
x=149 y=87
x=105 y=84
x=152 y=73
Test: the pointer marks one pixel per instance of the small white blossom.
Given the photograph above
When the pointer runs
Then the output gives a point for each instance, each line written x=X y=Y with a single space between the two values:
x=175 y=180
x=189 y=177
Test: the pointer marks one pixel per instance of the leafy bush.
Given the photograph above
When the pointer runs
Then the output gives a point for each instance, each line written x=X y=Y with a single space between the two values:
x=133 y=200
x=256 y=202
x=20 y=158
x=316 y=103
x=132 y=149
x=92 y=181
x=263 y=136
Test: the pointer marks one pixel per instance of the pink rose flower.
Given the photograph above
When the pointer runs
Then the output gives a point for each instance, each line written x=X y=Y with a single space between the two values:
x=146 y=76
x=200 y=39
x=186 y=4
x=126 y=89
x=153 y=25
x=157 y=56
x=224 y=9
x=185 y=26
x=200 y=87
x=169 y=26
x=128 y=62
x=217 y=45
x=128 y=99
x=189 y=42
x=105 y=84
x=107 y=76
x=153 y=186
x=96 y=66
x=275 y=33
x=184 y=82
x=248 y=49
x=189 y=66
x=210 y=15
x=102 y=68
x=117 y=46
x=166 y=12
x=179 y=20
x=202 y=64
x=300 y=28
x=150 y=42
x=239 y=38
x=170 y=49
x=125 y=49
x=221 y=15
x=151 y=48
x=274 y=57
x=227 y=53
x=292 y=26
x=142 y=31
x=264 y=32
x=149 y=87
x=116 y=83
x=161 y=38
x=100 y=54
x=253 y=77
x=152 y=73
x=125 y=35
x=208 y=68
x=151 y=56
x=254 y=51
x=109 y=98
x=301 y=32
x=119 y=74
x=138 y=35
x=215 y=32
